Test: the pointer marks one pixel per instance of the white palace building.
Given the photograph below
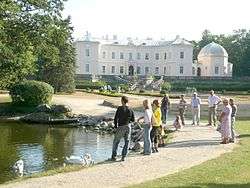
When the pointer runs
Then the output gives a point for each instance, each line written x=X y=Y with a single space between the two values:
x=149 y=57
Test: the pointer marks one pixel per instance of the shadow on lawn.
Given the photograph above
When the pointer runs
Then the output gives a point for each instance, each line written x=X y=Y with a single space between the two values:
x=244 y=135
x=214 y=185
x=193 y=143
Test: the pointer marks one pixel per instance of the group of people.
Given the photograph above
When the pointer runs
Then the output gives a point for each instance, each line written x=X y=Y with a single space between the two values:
x=226 y=118
x=152 y=125
x=155 y=116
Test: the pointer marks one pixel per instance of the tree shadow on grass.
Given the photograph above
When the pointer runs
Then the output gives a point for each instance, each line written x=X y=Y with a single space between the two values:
x=244 y=136
x=192 y=143
x=214 y=185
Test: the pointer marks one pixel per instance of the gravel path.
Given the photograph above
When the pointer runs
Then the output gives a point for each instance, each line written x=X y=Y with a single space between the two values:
x=191 y=146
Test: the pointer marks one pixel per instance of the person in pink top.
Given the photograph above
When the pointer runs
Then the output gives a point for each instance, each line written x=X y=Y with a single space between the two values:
x=225 y=120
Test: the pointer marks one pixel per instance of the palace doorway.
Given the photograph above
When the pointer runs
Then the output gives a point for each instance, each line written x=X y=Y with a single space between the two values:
x=131 y=70
x=199 y=71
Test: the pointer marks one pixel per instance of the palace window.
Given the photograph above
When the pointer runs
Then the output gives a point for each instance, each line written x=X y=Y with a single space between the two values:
x=130 y=56
x=121 y=55
x=87 y=67
x=193 y=71
x=138 y=70
x=113 y=69
x=156 y=70
x=103 y=69
x=113 y=55
x=216 y=70
x=165 y=55
x=87 y=52
x=182 y=55
x=121 y=70
x=165 y=70
x=147 y=56
x=157 y=56
x=146 y=70
x=181 y=70
x=103 y=55
x=138 y=56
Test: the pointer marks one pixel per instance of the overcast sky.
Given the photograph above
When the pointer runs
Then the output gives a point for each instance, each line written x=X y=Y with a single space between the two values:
x=157 y=18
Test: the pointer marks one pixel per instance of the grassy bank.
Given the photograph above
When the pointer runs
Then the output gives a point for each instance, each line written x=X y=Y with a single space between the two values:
x=231 y=170
x=9 y=110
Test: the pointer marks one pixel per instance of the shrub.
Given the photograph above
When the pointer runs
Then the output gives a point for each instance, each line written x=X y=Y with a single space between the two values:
x=142 y=91
x=31 y=93
x=166 y=86
x=163 y=92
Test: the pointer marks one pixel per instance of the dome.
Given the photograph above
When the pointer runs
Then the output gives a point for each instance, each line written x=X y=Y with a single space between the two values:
x=213 y=49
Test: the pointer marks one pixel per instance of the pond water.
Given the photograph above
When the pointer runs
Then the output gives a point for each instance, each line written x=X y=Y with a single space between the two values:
x=43 y=148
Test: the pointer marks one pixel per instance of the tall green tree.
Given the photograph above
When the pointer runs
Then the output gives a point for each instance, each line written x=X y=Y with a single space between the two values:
x=33 y=33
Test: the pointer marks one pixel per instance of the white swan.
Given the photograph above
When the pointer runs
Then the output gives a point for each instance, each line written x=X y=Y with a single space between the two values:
x=18 y=167
x=85 y=160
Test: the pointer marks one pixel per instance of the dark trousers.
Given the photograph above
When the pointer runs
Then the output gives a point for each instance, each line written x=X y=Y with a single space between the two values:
x=164 y=113
x=121 y=132
x=155 y=136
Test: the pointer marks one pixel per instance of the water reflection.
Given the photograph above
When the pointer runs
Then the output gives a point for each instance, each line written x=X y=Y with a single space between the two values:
x=42 y=147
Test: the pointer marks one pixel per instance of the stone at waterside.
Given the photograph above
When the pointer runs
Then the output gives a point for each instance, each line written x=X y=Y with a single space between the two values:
x=37 y=117
x=43 y=108
x=61 y=109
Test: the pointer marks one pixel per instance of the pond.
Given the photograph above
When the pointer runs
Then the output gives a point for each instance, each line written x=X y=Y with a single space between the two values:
x=43 y=148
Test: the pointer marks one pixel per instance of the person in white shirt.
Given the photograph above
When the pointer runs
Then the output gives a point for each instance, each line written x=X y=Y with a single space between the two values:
x=195 y=107
x=213 y=101
x=147 y=118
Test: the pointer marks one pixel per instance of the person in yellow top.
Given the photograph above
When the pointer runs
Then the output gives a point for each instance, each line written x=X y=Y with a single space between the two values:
x=156 y=129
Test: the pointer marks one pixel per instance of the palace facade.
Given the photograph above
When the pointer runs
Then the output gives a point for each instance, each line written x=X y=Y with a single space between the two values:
x=149 y=57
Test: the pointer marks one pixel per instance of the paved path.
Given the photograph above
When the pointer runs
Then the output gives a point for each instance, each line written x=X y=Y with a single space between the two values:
x=191 y=146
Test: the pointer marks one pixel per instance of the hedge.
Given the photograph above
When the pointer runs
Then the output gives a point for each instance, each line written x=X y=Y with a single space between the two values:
x=216 y=85
x=86 y=84
x=31 y=93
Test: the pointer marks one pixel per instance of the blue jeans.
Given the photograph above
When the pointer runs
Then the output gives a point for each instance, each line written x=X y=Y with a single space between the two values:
x=164 y=113
x=121 y=132
x=147 y=140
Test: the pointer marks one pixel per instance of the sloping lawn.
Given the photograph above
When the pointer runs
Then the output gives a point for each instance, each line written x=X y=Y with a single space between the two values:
x=231 y=170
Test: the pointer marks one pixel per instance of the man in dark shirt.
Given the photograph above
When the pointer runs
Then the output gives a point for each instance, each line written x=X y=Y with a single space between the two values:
x=123 y=117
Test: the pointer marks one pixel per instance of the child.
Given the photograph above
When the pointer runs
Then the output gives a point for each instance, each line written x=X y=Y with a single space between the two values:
x=161 y=139
x=177 y=123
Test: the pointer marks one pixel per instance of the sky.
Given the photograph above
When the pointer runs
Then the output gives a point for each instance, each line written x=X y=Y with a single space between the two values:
x=158 y=19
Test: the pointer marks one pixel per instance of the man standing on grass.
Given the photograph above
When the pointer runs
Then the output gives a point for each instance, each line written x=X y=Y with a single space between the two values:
x=123 y=117
x=213 y=101
x=195 y=107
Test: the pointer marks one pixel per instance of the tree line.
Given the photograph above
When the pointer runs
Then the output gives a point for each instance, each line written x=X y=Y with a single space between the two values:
x=36 y=43
x=237 y=46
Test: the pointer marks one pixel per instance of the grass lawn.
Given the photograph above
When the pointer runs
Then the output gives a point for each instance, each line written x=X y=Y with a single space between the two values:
x=231 y=170
x=7 y=109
